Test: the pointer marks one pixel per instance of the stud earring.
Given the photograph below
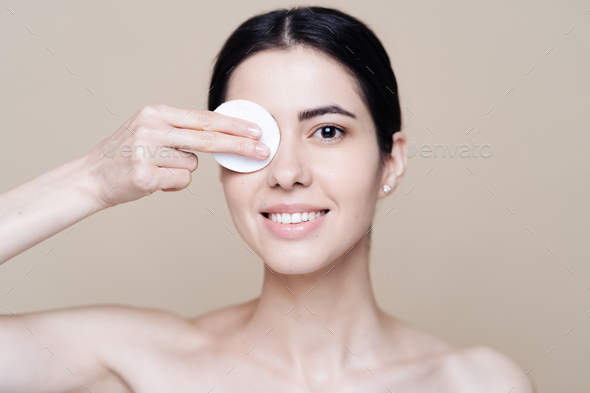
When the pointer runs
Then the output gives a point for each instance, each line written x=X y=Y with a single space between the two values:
x=386 y=188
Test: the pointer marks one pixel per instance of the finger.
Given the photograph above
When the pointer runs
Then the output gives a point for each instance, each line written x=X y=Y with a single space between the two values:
x=209 y=121
x=185 y=161
x=172 y=178
x=215 y=142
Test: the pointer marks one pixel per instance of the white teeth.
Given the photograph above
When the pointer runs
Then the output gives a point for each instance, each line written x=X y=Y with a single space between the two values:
x=286 y=218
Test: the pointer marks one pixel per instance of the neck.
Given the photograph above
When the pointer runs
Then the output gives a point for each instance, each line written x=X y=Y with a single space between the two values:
x=322 y=322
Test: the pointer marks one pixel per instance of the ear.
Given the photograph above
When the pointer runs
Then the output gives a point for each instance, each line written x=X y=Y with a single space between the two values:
x=395 y=164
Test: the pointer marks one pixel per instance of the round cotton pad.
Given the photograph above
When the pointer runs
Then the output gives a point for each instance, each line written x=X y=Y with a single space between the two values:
x=250 y=111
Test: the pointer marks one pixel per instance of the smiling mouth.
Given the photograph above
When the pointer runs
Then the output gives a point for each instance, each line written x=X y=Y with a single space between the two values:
x=295 y=218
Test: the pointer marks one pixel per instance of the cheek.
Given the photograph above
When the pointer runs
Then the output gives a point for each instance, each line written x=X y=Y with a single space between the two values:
x=352 y=177
x=237 y=189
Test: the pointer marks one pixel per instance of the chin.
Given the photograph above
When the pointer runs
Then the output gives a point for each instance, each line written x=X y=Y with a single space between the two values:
x=302 y=263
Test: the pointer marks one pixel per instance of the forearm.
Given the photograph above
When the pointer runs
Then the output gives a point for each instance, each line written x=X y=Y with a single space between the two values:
x=45 y=205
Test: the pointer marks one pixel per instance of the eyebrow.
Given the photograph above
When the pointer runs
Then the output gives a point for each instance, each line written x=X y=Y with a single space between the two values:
x=322 y=110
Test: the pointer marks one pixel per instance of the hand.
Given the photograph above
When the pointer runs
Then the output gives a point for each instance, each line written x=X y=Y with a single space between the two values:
x=143 y=155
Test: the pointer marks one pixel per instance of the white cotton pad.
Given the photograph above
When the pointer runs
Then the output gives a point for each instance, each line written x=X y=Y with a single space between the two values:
x=250 y=111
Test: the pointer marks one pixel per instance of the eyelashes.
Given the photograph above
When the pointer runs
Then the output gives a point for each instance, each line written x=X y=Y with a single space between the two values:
x=340 y=133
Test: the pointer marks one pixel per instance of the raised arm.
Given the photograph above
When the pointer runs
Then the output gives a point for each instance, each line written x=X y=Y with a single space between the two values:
x=143 y=156
x=45 y=205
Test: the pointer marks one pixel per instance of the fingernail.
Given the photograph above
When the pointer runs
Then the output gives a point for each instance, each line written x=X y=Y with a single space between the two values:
x=255 y=132
x=262 y=150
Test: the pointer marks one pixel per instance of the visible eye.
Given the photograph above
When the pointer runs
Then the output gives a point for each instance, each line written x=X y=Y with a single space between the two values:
x=329 y=133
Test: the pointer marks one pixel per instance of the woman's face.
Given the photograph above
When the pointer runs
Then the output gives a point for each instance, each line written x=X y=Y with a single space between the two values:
x=336 y=168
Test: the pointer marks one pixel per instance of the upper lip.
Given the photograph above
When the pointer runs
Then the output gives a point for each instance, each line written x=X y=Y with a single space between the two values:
x=292 y=208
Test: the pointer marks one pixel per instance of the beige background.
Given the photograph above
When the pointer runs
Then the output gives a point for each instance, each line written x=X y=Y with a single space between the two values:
x=450 y=257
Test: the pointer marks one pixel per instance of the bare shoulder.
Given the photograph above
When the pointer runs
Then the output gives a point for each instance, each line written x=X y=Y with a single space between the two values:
x=414 y=343
x=438 y=362
x=226 y=320
x=101 y=344
x=484 y=369
x=150 y=328
x=107 y=318
x=106 y=329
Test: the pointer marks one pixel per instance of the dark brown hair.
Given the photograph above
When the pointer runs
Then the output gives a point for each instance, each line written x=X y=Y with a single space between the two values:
x=340 y=36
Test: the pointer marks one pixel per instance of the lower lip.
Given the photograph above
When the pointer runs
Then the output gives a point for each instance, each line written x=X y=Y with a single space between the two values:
x=292 y=231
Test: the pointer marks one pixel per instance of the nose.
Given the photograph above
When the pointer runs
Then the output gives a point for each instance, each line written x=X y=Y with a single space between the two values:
x=290 y=165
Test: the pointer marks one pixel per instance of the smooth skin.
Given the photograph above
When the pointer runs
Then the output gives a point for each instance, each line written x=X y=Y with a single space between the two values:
x=324 y=333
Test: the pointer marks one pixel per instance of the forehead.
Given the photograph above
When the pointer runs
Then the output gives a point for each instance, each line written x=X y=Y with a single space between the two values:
x=284 y=81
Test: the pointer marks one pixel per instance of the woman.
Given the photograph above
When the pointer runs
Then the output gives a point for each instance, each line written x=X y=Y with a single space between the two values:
x=328 y=82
